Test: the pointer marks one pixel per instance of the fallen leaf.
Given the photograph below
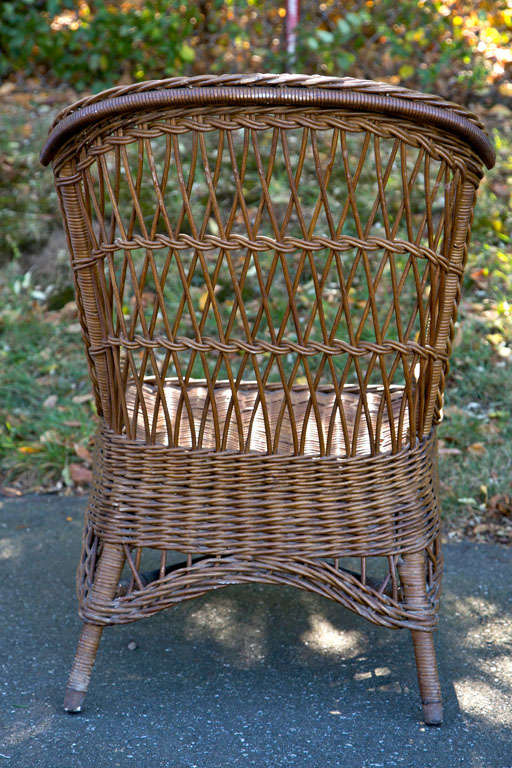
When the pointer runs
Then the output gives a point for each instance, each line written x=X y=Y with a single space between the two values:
x=505 y=89
x=480 y=528
x=202 y=300
x=80 y=475
x=82 y=452
x=500 y=110
x=500 y=504
x=79 y=399
x=30 y=448
x=50 y=436
x=50 y=402
x=477 y=449
x=6 y=88
x=68 y=312
x=494 y=339
x=480 y=277
x=8 y=490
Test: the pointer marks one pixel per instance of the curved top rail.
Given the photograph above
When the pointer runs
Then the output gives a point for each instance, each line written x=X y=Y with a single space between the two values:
x=327 y=82
x=284 y=90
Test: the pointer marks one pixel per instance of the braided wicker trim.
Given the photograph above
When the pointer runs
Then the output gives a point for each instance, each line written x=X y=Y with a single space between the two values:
x=263 y=243
x=415 y=109
x=257 y=505
x=208 y=344
x=124 y=129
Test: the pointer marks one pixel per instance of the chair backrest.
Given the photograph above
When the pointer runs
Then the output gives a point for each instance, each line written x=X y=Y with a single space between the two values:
x=295 y=244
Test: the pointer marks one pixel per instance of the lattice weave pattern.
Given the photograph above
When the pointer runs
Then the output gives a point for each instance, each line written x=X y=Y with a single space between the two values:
x=393 y=327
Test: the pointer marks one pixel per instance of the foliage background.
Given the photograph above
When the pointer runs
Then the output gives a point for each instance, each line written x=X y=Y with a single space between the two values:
x=454 y=45
x=53 y=50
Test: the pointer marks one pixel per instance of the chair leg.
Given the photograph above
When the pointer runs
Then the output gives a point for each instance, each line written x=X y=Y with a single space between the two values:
x=106 y=578
x=412 y=576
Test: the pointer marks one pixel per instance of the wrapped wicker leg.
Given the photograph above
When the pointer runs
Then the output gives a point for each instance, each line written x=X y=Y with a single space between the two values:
x=103 y=589
x=412 y=574
x=267 y=271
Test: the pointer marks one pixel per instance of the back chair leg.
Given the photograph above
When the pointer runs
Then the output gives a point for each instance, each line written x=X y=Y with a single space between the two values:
x=412 y=576
x=106 y=579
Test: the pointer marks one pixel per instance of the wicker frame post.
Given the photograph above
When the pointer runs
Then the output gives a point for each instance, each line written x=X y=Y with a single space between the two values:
x=263 y=436
x=88 y=291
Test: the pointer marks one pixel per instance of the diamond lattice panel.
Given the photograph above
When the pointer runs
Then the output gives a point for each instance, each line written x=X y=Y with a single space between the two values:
x=269 y=262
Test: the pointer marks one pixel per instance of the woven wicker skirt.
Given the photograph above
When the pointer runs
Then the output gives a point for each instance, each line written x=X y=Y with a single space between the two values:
x=250 y=516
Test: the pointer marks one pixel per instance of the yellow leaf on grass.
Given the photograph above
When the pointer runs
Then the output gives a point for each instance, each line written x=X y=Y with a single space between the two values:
x=477 y=449
x=202 y=300
x=30 y=448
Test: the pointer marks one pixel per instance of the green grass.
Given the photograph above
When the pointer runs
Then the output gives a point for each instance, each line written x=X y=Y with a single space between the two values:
x=477 y=423
x=42 y=370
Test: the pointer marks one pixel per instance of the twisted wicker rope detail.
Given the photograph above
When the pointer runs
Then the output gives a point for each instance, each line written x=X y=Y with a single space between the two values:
x=455 y=153
x=445 y=119
x=264 y=243
x=208 y=344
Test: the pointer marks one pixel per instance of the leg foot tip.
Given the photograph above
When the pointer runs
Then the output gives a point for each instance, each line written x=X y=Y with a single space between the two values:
x=433 y=713
x=73 y=700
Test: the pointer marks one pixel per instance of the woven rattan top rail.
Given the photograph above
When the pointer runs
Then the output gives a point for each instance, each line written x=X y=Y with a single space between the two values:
x=276 y=90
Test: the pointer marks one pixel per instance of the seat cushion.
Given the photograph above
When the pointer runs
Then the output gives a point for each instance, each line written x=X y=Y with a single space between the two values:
x=347 y=426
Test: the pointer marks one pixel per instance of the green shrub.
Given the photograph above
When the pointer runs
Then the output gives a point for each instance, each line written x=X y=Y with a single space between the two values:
x=450 y=46
x=413 y=41
x=94 y=44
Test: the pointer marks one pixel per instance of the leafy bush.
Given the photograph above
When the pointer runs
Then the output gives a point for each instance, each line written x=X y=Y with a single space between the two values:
x=94 y=44
x=411 y=41
x=444 y=45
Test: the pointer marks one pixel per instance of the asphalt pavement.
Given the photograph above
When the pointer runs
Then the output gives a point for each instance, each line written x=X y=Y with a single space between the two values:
x=255 y=676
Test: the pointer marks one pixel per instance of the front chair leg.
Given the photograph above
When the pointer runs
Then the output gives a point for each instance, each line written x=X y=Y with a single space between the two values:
x=106 y=579
x=412 y=576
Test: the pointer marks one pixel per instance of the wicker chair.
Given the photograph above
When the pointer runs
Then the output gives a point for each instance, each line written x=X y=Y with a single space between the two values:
x=267 y=271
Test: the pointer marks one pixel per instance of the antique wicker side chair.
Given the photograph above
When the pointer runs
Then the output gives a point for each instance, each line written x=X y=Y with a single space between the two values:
x=267 y=272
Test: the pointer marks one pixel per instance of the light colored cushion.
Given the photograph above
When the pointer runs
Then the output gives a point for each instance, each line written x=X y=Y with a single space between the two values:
x=284 y=426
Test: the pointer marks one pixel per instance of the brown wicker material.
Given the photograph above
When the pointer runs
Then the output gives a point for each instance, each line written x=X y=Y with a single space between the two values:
x=267 y=270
